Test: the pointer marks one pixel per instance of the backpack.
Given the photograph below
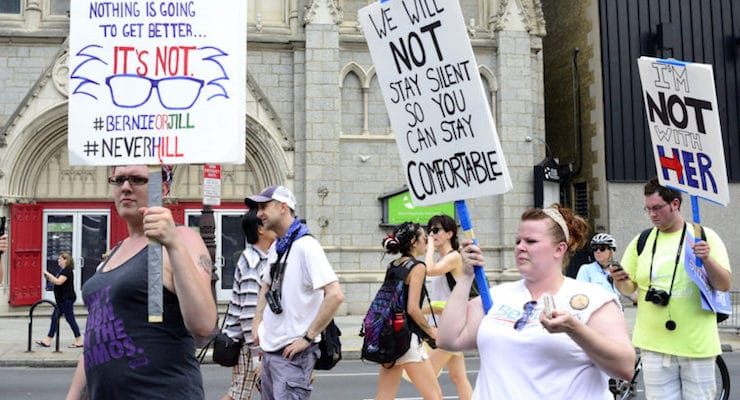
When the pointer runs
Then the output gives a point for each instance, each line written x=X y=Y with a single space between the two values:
x=385 y=330
x=642 y=240
x=330 y=346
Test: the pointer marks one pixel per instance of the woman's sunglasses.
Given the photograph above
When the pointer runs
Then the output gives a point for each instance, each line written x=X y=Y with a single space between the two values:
x=435 y=230
x=601 y=247
x=133 y=180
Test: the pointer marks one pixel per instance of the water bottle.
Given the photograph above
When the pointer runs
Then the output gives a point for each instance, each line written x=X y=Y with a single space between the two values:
x=398 y=321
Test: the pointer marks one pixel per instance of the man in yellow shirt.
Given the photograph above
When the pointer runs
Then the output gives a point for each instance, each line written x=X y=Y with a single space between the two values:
x=678 y=339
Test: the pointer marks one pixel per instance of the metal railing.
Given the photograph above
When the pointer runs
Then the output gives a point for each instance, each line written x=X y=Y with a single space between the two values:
x=732 y=324
x=30 y=323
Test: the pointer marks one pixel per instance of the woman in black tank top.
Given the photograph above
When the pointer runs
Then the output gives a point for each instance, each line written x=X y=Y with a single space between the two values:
x=64 y=295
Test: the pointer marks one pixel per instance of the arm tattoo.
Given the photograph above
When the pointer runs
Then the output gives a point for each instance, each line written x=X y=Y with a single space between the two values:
x=206 y=264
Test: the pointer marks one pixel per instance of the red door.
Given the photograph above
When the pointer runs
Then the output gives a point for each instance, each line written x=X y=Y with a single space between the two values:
x=118 y=228
x=25 y=251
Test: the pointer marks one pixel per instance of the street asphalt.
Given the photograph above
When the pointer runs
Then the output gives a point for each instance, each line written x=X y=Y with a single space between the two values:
x=16 y=350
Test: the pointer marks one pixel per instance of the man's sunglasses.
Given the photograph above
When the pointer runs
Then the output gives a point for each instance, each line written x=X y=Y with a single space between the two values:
x=133 y=180
x=601 y=247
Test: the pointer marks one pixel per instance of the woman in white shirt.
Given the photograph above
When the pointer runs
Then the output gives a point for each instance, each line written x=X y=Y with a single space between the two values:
x=528 y=350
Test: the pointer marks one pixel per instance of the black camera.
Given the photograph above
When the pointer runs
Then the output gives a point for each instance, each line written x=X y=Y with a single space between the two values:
x=273 y=300
x=657 y=296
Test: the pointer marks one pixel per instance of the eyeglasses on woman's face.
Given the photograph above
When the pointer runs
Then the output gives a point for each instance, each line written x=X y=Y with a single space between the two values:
x=435 y=230
x=133 y=180
x=600 y=247
x=528 y=311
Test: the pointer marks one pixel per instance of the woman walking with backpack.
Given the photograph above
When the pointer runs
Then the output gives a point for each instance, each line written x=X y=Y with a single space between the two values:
x=445 y=272
x=410 y=240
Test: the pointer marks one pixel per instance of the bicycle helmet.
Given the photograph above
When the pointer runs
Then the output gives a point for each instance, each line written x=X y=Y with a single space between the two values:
x=604 y=238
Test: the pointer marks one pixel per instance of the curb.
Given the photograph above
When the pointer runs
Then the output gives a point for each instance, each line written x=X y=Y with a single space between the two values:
x=40 y=363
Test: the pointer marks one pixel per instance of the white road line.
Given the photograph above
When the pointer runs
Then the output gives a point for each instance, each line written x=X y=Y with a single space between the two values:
x=419 y=398
x=334 y=374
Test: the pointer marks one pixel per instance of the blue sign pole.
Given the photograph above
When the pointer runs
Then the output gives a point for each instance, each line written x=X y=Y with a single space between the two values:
x=697 y=220
x=480 y=275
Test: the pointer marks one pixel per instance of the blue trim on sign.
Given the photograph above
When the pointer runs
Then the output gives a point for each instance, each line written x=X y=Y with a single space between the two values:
x=682 y=190
x=672 y=62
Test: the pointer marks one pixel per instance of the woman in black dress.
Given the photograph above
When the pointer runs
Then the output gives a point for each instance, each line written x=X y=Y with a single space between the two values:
x=64 y=294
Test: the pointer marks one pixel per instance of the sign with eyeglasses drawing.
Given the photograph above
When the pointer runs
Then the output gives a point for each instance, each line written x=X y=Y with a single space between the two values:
x=155 y=82
x=434 y=96
x=683 y=119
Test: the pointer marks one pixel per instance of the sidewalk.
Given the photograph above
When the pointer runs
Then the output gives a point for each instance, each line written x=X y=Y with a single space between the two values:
x=14 y=340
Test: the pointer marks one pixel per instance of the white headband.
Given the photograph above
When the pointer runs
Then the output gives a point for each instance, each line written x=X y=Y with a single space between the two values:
x=558 y=218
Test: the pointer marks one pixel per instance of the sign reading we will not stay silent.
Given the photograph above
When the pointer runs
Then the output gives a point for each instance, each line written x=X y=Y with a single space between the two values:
x=435 y=100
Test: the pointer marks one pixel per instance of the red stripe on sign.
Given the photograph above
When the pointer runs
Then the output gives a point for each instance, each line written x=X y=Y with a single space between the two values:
x=212 y=171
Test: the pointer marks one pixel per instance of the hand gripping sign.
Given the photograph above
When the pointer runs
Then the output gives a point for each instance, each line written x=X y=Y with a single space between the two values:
x=437 y=107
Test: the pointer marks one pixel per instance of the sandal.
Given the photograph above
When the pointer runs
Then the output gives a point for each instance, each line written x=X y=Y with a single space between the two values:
x=76 y=346
x=42 y=344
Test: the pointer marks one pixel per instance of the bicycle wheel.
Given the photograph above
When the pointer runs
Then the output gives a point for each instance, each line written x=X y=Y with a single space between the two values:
x=626 y=390
x=722 y=376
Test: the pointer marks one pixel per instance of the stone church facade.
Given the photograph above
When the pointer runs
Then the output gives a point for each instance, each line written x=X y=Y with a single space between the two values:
x=316 y=123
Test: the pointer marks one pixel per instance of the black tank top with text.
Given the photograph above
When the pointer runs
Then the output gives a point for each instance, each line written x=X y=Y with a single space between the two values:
x=126 y=357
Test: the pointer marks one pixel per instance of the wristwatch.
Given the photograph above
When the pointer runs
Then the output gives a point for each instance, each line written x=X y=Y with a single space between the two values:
x=308 y=339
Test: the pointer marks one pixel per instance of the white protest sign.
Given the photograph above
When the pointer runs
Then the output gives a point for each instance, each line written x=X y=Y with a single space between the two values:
x=683 y=118
x=435 y=100
x=155 y=82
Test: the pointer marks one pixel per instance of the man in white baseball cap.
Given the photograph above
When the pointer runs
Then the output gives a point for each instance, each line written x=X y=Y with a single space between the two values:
x=274 y=192
x=302 y=293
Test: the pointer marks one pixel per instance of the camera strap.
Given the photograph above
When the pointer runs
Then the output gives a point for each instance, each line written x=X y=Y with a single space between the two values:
x=678 y=258
x=277 y=274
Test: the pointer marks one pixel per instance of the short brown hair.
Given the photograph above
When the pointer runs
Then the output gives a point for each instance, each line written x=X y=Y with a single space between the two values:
x=667 y=194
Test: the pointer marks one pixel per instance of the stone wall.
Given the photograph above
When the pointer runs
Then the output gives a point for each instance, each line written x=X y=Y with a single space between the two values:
x=296 y=55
